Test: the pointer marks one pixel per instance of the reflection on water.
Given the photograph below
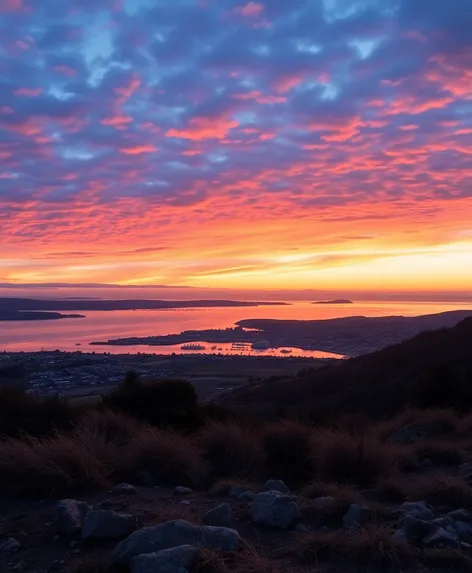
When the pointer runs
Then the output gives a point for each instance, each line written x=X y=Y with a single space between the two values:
x=75 y=334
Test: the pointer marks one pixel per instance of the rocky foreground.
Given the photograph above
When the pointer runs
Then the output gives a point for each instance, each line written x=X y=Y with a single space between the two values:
x=151 y=529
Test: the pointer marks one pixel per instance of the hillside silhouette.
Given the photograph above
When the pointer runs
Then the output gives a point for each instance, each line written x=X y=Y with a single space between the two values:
x=433 y=369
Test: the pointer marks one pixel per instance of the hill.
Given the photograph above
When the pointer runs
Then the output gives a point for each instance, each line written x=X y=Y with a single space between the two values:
x=432 y=369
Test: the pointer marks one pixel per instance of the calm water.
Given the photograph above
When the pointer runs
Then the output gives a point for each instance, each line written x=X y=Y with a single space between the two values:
x=67 y=334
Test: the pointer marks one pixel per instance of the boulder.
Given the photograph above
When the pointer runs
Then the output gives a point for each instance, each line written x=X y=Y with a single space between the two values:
x=408 y=434
x=145 y=478
x=70 y=514
x=440 y=538
x=104 y=524
x=418 y=510
x=219 y=516
x=460 y=515
x=416 y=529
x=124 y=488
x=246 y=496
x=236 y=491
x=465 y=471
x=9 y=545
x=173 y=534
x=355 y=515
x=276 y=485
x=179 y=490
x=174 y=560
x=463 y=530
x=274 y=509
x=324 y=502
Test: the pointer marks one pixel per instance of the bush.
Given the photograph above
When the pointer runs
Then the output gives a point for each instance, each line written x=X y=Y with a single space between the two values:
x=352 y=459
x=24 y=413
x=164 y=403
x=440 y=490
x=230 y=450
x=114 y=426
x=288 y=453
x=443 y=386
x=170 y=458
x=57 y=465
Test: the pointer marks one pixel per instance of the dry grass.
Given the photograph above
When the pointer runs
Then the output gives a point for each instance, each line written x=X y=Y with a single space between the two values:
x=116 y=427
x=333 y=514
x=352 y=459
x=61 y=464
x=441 y=452
x=288 y=452
x=251 y=561
x=231 y=451
x=440 y=490
x=89 y=564
x=447 y=559
x=390 y=489
x=209 y=561
x=171 y=459
x=437 y=423
x=224 y=486
x=370 y=546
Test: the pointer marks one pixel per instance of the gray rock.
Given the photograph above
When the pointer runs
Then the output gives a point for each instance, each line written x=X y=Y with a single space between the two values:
x=70 y=515
x=10 y=545
x=463 y=530
x=145 y=478
x=173 y=534
x=104 y=524
x=417 y=509
x=465 y=471
x=186 y=502
x=355 y=515
x=274 y=509
x=246 y=496
x=236 y=491
x=408 y=434
x=276 y=485
x=460 y=515
x=416 y=529
x=400 y=536
x=174 y=560
x=179 y=490
x=124 y=488
x=219 y=516
x=302 y=528
x=440 y=538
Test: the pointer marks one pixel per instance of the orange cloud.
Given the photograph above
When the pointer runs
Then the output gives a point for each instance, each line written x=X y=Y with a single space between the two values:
x=200 y=128
x=139 y=149
x=28 y=92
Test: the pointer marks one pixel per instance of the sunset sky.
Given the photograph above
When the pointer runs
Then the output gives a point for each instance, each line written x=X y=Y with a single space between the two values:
x=292 y=144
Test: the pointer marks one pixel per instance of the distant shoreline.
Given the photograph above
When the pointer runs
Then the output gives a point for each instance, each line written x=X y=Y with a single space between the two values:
x=15 y=316
x=335 y=301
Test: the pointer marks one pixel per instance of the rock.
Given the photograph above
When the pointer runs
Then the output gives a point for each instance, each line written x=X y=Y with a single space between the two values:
x=145 y=478
x=302 y=528
x=408 y=434
x=417 y=509
x=173 y=534
x=9 y=545
x=246 y=496
x=465 y=471
x=400 y=536
x=186 y=502
x=179 y=490
x=355 y=515
x=324 y=502
x=174 y=560
x=124 y=488
x=440 y=538
x=415 y=529
x=276 y=485
x=460 y=515
x=236 y=491
x=463 y=530
x=70 y=515
x=219 y=516
x=104 y=524
x=274 y=509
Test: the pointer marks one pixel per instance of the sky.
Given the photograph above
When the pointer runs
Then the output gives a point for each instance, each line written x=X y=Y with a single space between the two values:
x=269 y=144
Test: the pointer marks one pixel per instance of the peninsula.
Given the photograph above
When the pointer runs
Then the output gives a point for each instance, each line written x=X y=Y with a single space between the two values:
x=335 y=301
x=9 y=316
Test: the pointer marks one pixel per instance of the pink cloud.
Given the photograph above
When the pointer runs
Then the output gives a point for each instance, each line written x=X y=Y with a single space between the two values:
x=138 y=149
x=250 y=10
x=65 y=70
x=260 y=98
x=204 y=128
x=28 y=92
x=287 y=83
x=11 y=5
x=117 y=121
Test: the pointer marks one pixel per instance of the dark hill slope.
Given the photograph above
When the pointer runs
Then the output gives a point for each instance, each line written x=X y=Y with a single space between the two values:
x=432 y=369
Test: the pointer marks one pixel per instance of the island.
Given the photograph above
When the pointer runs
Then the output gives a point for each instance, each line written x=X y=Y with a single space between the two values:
x=348 y=336
x=28 y=304
x=14 y=315
x=335 y=301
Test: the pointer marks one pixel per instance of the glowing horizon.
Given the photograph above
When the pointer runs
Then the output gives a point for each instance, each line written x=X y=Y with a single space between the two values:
x=321 y=145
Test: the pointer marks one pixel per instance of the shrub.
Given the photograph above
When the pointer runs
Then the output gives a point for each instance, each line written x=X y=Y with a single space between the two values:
x=351 y=458
x=288 y=453
x=440 y=490
x=443 y=386
x=390 y=489
x=442 y=452
x=435 y=423
x=164 y=403
x=116 y=427
x=57 y=465
x=230 y=450
x=24 y=413
x=172 y=459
